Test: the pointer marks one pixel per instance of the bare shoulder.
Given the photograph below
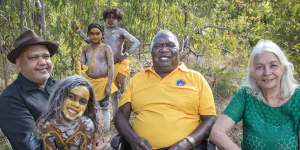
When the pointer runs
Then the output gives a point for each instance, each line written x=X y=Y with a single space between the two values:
x=122 y=30
x=86 y=48
x=106 y=47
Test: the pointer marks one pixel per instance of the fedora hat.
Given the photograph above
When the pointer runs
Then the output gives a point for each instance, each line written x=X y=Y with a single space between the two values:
x=29 y=38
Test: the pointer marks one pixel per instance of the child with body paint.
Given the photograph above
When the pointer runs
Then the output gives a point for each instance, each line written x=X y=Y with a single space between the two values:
x=72 y=121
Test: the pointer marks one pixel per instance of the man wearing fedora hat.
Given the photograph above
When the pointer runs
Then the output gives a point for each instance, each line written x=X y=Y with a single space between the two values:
x=22 y=102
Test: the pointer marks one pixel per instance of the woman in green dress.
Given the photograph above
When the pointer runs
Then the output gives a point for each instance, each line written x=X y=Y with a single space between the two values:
x=268 y=105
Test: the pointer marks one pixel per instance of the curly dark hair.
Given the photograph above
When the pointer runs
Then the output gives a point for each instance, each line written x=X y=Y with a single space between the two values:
x=95 y=25
x=113 y=11
x=57 y=98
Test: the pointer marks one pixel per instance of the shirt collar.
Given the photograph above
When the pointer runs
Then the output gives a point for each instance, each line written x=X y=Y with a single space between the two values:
x=28 y=85
x=181 y=67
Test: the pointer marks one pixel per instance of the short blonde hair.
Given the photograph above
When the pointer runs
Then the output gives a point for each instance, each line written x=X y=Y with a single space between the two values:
x=288 y=84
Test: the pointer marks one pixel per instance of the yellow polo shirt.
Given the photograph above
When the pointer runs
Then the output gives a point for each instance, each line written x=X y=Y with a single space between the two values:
x=168 y=109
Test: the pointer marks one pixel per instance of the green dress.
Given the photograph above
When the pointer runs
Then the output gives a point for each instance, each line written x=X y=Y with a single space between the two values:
x=266 y=127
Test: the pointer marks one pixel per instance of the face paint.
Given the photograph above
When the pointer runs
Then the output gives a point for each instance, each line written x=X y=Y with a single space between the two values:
x=76 y=102
x=95 y=35
x=81 y=91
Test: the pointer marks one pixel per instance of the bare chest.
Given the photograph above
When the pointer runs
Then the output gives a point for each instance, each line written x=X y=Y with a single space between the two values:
x=96 y=55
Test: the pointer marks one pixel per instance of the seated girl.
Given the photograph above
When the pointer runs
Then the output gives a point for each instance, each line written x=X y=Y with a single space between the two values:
x=72 y=121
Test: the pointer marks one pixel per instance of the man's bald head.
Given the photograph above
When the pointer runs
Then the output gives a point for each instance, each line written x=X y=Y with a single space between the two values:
x=164 y=52
x=163 y=35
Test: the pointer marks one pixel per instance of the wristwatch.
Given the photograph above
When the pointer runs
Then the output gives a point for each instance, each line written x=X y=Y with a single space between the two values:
x=191 y=140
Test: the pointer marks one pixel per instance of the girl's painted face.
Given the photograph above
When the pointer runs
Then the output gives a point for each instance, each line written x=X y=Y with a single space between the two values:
x=76 y=102
x=95 y=35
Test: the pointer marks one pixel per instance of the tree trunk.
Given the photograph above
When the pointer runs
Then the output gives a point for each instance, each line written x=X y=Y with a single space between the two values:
x=31 y=20
x=21 y=15
x=43 y=23
x=109 y=3
x=95 y=10
x=185 y=17
x=5 y=70
x=184 y=40
x=158 y=16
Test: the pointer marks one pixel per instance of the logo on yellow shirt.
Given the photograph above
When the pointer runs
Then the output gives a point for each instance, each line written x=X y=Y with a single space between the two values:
x=180 y=82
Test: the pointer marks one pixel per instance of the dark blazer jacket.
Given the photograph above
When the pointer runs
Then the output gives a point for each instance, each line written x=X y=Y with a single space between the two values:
x=21 y=104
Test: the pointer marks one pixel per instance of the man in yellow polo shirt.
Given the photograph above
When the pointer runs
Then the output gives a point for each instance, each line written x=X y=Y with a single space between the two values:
x=173 y=106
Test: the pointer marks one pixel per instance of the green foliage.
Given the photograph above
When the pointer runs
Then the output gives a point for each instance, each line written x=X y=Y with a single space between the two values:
x=224 y=74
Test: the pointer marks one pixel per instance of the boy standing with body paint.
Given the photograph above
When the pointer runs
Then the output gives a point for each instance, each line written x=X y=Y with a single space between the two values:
x=97 y=66
x=115 y=37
